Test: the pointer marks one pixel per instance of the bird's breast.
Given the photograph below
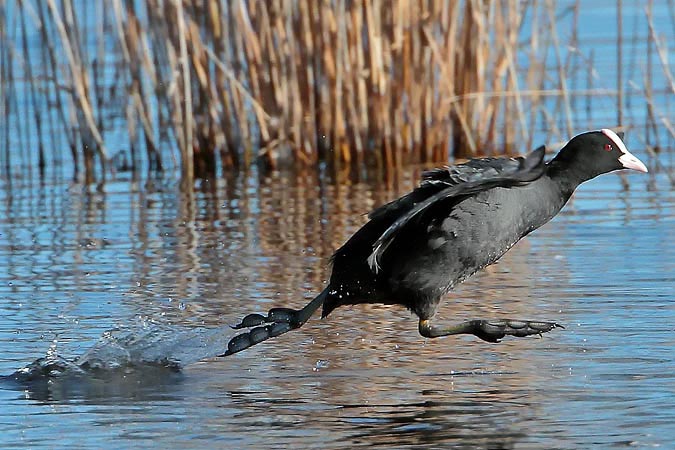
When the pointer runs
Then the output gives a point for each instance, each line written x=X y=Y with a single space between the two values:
x=475 y=233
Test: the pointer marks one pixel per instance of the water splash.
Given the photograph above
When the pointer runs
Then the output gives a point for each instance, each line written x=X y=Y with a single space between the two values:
x=155 y=345
x=143 y=347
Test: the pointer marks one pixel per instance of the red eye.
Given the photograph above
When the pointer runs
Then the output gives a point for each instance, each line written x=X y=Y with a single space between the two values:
x=608 y=147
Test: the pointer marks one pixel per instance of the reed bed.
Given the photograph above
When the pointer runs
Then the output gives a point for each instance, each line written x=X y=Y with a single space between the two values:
x=203 y=86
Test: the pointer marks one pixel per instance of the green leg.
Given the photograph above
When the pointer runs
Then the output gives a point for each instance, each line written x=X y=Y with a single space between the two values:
x=489 y=330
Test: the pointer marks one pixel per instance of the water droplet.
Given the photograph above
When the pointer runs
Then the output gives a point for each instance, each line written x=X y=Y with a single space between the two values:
x=182 y=306
x=321 y=364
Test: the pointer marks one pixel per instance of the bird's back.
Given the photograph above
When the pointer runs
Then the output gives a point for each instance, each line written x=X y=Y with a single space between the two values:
x=459 y=219
x=447 y=246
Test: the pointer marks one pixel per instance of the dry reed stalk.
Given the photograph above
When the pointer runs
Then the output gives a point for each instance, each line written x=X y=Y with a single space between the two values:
x=79 y=95
x=229 y=141
x=619 y=57
x=136 y=54
x=23 y=138
x=349 y=83
x=51 y=78
x=561 y=73
x=660 y=50
x=187 y=160
x=33 y=97
x=308 y=64
x=4 y=104
x=28 y=90
x=238 y=97
x=589 y=83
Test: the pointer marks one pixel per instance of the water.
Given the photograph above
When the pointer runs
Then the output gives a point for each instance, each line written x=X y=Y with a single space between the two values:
x=116 y=303
x=141 y=282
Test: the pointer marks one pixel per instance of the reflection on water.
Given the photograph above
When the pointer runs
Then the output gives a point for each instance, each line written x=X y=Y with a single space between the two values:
x=173 y=269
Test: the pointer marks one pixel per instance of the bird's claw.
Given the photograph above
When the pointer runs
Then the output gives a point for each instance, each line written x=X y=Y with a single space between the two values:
x=278 y=321
x=495 y=330
x=275 y=315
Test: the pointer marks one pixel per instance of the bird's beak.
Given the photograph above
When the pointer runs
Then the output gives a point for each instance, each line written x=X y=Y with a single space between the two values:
x=629 y=161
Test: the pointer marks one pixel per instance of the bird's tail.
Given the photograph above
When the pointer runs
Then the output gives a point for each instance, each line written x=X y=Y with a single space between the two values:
x=277 y=322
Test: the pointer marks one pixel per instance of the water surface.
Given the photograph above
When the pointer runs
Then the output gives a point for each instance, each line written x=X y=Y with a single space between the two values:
x=172 y=269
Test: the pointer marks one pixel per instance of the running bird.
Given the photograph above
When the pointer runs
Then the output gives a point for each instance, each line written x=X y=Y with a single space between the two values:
x=460 y=219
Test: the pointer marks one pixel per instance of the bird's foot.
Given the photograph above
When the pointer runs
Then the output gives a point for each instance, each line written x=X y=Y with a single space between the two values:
x=275 y=315
x=494 y=330
x=277 y=321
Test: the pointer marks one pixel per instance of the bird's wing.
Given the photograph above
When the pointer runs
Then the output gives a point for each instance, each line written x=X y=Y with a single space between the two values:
x=461 y=180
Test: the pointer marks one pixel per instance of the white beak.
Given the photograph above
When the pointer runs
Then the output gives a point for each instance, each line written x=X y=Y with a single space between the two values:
x=628 y=161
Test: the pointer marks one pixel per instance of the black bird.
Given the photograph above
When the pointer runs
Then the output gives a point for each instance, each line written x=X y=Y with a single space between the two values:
x=460 y=219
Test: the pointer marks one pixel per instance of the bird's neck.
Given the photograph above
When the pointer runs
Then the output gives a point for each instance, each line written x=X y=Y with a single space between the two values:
x=565 y=176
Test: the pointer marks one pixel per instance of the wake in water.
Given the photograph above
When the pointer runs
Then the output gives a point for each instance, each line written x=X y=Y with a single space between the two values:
x=148 y=347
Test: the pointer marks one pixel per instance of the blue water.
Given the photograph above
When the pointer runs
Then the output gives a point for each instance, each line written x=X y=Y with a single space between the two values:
x=123 y=295
x=158 y=274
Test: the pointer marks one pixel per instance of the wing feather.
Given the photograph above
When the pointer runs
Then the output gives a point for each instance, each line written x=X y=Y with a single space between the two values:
x=474 y=176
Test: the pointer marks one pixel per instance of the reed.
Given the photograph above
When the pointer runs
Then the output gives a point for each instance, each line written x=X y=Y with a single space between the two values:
x=206 y=85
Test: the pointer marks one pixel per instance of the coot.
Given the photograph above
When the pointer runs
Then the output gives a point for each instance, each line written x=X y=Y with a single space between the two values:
x=460 y=219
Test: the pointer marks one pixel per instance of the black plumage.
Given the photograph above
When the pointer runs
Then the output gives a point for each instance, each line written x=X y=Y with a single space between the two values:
x=460 y=219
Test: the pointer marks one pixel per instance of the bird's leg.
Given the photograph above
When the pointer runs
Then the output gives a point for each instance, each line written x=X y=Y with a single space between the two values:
x=277 y=321
x=489 y=330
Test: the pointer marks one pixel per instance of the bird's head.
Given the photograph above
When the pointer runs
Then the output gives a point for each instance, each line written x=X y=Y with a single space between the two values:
x=596 y=152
